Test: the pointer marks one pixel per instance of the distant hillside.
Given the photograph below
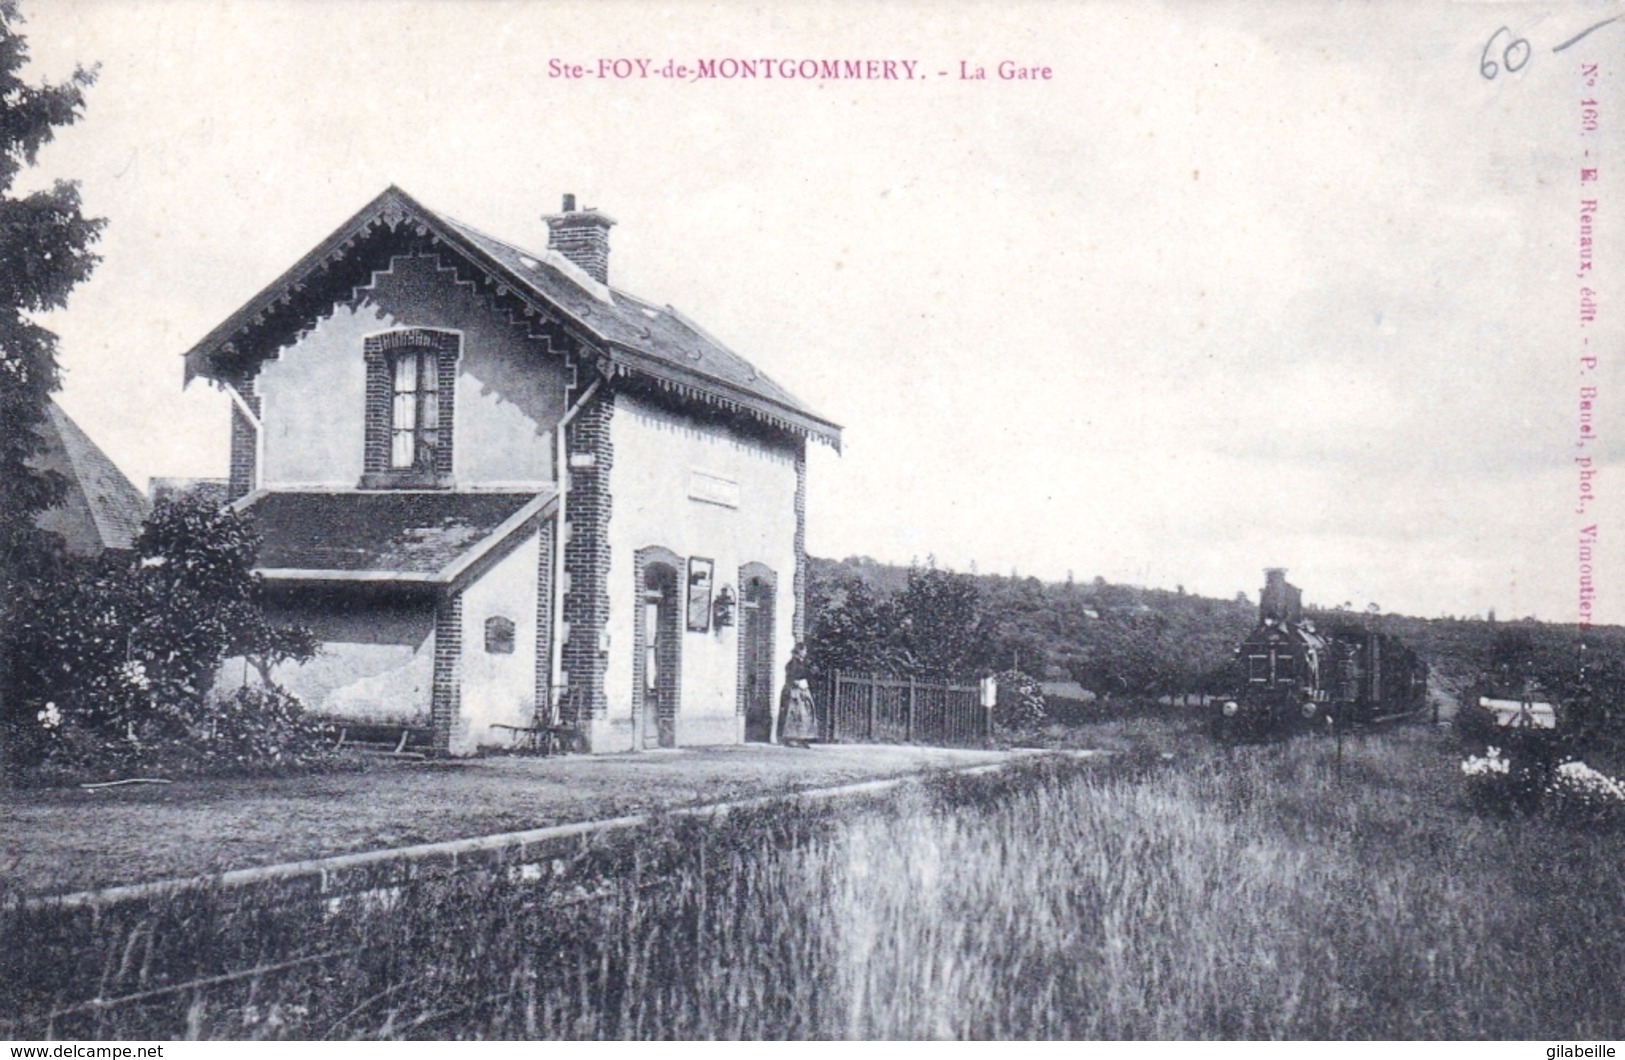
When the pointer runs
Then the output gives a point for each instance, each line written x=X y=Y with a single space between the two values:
x=1125 y=638
x=1460 y=650
x=1110 y=638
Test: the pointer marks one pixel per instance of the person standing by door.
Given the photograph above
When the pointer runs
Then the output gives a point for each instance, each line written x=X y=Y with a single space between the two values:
x=798 y=721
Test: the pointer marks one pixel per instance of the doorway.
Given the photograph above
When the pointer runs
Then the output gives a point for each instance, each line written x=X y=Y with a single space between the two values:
x=756 y=652
x=654 y=722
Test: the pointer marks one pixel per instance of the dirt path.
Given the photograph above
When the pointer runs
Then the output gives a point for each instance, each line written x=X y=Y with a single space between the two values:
x=68 y=839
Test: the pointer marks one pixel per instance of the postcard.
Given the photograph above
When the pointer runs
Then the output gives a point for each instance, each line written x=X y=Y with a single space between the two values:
x=598 y=376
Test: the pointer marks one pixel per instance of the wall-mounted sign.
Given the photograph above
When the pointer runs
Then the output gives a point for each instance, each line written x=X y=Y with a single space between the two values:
x=713 y=489
x=699 y=594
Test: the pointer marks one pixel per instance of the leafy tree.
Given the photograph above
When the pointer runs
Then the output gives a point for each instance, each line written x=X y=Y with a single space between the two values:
x=852 y=628
x=941 y=630
x=44 y=253
x=1131 y=653
x=931 y=627
x=199 y=559
x=1015 y=644
x=1512 y=653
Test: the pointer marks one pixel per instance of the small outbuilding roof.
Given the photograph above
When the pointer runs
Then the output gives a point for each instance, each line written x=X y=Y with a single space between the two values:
x=407 y=536
x=101 y=508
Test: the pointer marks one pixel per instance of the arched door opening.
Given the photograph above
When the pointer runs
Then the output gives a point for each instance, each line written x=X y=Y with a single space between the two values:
x=654 y=720
x=756 y=653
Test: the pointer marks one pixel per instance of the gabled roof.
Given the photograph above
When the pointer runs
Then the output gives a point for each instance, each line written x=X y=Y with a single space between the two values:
x=627 y=335
x=101 y=508
x=402 y=536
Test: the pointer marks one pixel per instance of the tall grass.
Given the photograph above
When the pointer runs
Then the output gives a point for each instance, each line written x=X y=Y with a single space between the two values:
x=1271 y=891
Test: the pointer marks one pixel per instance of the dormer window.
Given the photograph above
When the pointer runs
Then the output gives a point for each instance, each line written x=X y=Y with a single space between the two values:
x=411 y=375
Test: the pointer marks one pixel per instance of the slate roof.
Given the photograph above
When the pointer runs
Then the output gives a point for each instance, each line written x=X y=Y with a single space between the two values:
x=632 y=337
x=101 y=508
x=395 y=535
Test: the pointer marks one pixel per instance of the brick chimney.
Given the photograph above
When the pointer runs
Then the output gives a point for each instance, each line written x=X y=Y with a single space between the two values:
x=582 y=236
x=1280 y=600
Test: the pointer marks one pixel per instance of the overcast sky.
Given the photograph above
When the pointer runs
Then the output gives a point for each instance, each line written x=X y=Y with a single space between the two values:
x=1242 y=284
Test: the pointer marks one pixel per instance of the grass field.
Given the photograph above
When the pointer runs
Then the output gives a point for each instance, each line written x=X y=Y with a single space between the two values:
x=1255 y=891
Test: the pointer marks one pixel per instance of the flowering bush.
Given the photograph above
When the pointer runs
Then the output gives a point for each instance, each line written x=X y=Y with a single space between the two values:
x=253 y=730
x=1572 y=790
x=109 y=664
x=1577 y=791
x=1498 y=781
x=1490 y=767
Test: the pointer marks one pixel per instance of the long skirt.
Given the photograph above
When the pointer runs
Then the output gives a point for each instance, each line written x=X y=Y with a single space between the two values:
x=796 y=718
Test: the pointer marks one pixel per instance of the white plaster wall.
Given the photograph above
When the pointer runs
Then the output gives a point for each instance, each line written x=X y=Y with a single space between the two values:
x=313 y=404
x=499 y=689
x=510 y=389
x=376 y=664
x=654 y=453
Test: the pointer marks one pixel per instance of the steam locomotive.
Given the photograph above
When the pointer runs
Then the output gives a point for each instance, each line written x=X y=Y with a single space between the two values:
x=1295 y=675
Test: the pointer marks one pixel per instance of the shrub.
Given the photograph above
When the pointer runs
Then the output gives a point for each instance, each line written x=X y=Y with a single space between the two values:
x=110 y=663
x=1523 y=781
x=258 y=726
x=1577 y=792
x=1495 y=782
x=1020 y=703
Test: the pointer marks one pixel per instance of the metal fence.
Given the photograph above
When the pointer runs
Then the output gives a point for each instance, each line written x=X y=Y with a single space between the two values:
x=873 y=708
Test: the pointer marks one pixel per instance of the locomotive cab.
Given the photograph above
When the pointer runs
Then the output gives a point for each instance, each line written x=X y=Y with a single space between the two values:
x=1294 y=676
x=1279 y=679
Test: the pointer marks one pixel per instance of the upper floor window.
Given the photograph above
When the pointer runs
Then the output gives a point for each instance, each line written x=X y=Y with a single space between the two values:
x=411 y=378
x=414 y=422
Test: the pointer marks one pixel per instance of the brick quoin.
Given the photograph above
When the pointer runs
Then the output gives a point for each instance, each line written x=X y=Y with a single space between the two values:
x=798 y=617
x=446 y=380
x=586 y=558
x=244 y=441
x=447 y=698
x=544 y=621
x=375 y=452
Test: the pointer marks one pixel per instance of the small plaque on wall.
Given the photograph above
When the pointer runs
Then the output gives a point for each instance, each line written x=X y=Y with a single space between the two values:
x=699 y=594
x=713 y=489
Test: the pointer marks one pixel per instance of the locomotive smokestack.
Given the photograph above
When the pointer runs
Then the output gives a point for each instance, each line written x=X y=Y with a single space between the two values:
x=1279 y=600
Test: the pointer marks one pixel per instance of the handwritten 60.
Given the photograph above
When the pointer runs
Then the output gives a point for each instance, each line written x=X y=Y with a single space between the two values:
x=1514 y=57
